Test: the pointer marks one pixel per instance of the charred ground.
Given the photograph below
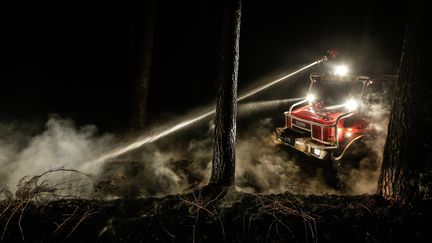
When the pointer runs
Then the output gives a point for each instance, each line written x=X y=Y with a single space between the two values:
x=233 y=217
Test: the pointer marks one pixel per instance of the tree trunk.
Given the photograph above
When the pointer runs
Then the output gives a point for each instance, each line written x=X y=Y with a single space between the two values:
x=406 y=170
x=223 y=162
x=144 y=62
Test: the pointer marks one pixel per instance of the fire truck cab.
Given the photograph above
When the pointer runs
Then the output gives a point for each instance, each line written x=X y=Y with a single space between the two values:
x=330 y=120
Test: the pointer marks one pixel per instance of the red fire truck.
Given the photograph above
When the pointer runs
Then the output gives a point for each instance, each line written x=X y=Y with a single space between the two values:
x=331 y=121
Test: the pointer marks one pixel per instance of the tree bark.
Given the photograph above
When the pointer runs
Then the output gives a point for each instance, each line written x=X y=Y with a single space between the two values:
x=406 y=170
x=223 y=161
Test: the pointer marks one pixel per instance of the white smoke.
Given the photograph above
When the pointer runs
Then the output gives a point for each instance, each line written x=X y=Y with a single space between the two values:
x=61 y=144
x=264 y=167
x=364 y=179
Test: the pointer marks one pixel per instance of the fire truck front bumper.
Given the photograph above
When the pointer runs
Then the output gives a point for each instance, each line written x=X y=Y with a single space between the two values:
x=301 y=141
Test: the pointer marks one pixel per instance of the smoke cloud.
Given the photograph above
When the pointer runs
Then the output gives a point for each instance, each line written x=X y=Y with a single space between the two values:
x=363 y=178
x=180 y=163
x=264 y=167
x=61 y=144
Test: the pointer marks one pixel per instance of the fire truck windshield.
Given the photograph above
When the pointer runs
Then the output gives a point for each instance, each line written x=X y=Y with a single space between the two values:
x=336 y=92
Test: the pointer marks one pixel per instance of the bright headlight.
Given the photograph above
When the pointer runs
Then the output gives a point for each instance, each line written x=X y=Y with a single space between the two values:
x=310 y=98
x=351 y=104
x=341 y=70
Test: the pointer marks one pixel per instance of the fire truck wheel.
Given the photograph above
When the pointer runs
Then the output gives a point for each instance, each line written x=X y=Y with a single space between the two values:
x=331 y=175
x=362 y=158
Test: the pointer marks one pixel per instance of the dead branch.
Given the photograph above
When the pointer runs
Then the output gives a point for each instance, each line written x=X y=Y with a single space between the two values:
x=269 y=230
x=37 y=189
x=168 y=233
x=20 y=218
x=85 y=215
x=65 y=221
x=202 y=205
x=286 y=208
x=10 y=217
x=199 y=207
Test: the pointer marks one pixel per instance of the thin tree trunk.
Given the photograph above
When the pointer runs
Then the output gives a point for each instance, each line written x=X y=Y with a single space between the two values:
x=223 y=162
x=406 y=172
x=146 y=25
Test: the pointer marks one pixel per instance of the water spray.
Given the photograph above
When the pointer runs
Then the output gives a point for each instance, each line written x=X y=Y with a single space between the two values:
x=257 y=106
x=259 y=89
x=148 y=138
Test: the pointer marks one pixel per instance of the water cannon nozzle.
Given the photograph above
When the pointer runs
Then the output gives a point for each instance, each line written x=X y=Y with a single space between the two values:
x=332 y=54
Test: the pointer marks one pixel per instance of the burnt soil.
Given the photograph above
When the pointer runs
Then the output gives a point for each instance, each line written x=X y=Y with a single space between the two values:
x=230 y=217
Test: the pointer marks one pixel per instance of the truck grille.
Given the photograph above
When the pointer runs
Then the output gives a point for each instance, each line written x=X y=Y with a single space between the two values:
x=318 y=132
x=301 y=124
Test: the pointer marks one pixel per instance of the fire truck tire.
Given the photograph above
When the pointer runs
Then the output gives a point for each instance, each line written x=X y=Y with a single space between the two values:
x=354 y=159
x=355 y=148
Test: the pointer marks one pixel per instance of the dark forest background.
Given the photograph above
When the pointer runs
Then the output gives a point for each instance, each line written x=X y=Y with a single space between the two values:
x=80 y=59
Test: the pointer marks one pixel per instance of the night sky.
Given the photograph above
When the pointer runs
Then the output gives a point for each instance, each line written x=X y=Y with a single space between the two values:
x=78 y=59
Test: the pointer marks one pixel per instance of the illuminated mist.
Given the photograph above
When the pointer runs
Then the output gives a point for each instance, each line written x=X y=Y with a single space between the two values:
x=153 y=136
